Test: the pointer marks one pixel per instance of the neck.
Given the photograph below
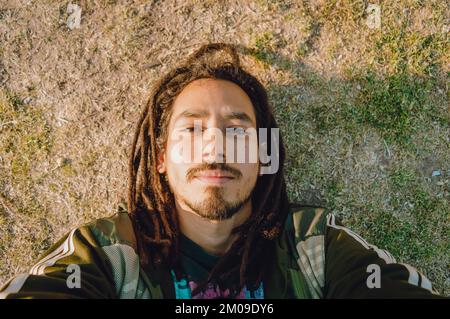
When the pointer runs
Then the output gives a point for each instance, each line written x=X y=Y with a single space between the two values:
x=214 y=236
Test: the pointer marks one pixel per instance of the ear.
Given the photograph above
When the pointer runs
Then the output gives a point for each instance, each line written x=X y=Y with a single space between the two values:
x=162 y=161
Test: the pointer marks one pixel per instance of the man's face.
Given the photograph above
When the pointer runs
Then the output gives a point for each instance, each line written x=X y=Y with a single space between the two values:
x=211 y=187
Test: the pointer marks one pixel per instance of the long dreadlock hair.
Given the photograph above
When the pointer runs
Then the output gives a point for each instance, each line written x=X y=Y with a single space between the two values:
x=151 y=204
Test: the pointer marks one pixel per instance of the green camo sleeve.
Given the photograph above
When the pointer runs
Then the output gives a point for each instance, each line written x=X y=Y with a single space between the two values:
x=357 y=269
x=75 y=267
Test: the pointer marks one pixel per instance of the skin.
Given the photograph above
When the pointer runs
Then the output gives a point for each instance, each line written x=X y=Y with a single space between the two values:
x=211 y=198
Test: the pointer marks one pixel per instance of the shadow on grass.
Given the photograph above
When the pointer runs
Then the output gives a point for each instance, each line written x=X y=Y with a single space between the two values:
x=315 y=112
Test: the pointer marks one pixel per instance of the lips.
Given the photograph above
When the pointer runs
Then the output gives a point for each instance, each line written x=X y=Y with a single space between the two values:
x=214 y=177
x=214 y=173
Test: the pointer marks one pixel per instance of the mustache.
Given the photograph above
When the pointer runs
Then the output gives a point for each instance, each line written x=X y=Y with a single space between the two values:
x=212 y=166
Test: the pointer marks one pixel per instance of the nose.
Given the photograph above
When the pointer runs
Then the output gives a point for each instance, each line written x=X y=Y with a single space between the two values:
x=213 y=146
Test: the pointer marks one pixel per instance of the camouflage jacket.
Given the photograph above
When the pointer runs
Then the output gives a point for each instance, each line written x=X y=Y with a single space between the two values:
x=316 y=257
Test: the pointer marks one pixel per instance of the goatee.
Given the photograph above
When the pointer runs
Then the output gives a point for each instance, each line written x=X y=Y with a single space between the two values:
x=214 y=207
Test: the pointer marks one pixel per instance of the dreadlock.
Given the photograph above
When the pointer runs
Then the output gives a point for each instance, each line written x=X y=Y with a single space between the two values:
x=150 y=202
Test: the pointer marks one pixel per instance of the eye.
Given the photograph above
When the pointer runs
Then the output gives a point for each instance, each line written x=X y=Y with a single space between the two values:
x=239 y=131
x=191 y=129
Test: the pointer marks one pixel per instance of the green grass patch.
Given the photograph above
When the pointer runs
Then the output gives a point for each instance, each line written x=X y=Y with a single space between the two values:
x=405 y=51
x=264 y=49
x=393 y=105
x=25 y=135
x=396 y=106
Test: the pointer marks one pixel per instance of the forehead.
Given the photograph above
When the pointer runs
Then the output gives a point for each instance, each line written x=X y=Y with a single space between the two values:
x=214 y=97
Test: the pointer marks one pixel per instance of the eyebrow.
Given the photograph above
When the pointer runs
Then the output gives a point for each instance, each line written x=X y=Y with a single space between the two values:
x=191 y=114
x=199 y=114
x=239 y=116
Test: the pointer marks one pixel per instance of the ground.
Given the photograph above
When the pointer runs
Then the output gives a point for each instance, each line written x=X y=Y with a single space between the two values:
x=363 y=111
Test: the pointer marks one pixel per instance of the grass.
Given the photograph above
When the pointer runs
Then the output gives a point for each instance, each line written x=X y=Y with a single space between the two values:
x=393 y=106
x=363 y=112
x=25 y=140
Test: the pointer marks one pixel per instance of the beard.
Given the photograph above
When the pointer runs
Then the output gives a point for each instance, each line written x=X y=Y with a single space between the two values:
x=214 y=207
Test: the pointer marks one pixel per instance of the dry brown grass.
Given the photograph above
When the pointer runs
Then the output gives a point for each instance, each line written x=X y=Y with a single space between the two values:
x=63 y=154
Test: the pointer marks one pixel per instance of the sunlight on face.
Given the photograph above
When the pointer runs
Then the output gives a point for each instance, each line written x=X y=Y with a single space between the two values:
x=213 y=187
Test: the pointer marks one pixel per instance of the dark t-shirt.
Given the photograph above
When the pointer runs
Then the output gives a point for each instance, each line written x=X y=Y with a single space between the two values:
x=197 y=264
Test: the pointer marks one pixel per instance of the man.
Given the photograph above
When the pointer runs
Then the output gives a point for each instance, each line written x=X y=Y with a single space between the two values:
x=216 y=227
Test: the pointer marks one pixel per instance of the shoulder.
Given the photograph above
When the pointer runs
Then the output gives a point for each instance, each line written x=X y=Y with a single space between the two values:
x=306 y=220
x=305 y=229
x=116 y=229
x=303 y=240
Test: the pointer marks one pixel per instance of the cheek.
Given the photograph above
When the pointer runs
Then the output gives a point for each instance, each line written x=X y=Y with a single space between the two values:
x=176 y=172
x=186 y=150
x=249 y=173
x=255 y=173
x=177 y=164
x=244 y=151
x=251 y=151
x=175 y=152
